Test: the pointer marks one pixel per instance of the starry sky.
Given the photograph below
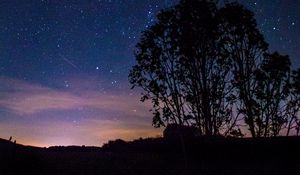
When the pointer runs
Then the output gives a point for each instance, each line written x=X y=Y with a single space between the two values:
x=64 y=66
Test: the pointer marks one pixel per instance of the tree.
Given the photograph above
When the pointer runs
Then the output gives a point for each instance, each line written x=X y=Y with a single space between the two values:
x=246 y=46
x=208 y=66
x=271 y=93
x=206 y=69
x=157 y=71
x=182 y=70
x=293 y=104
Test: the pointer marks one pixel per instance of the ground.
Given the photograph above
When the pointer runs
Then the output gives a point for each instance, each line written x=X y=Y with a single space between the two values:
x=207 y=156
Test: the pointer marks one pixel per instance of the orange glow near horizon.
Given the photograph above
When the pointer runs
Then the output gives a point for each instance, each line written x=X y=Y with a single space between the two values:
x=41 y=116
x=88 y=135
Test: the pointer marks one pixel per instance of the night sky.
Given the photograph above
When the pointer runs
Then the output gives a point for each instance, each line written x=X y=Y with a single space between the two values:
x=64 y=66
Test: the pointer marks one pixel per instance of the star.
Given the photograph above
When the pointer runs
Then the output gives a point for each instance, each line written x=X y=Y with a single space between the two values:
x=80 y=53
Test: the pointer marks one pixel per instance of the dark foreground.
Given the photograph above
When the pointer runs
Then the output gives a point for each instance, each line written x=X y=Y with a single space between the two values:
x=202 y=156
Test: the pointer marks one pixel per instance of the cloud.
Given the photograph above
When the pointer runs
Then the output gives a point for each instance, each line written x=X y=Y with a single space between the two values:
x=71 y=116
x=26 y=98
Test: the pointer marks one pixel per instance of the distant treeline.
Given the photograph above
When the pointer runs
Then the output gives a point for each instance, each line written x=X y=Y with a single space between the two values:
x=209 y=66
x=199 y=155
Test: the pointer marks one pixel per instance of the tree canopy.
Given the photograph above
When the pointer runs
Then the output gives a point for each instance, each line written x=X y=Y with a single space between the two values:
x=208 y=66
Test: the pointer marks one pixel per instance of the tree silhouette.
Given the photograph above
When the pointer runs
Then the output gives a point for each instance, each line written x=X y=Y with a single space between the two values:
x=293 y=105
x=271 y=92
x=181 y=69
x=246 y=46
x=157 y=72
x=208 y=66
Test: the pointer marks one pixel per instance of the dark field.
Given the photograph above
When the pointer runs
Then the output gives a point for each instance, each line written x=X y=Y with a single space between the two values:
x=203 y=156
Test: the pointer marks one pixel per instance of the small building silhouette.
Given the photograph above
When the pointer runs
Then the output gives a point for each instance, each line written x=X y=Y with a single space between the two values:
x=175 y=131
